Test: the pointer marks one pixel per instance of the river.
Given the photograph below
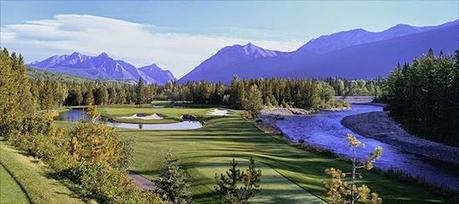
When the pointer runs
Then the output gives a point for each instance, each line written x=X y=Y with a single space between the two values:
x=324 y=130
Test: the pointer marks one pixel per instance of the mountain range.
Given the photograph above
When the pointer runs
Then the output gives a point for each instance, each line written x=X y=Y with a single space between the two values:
x=349 y=54
x=352 y=54
x=102 y=67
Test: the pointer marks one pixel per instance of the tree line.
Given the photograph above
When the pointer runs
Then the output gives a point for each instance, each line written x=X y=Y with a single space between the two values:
x=360 y=87
x=424 y=97
x=51 y=94
x=48 y=94
x=253 y=94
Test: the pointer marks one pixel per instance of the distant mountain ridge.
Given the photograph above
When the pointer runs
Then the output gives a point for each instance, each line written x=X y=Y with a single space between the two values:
x=227 y=57
x=336 y=41
x=351 y=54
x=102 y=66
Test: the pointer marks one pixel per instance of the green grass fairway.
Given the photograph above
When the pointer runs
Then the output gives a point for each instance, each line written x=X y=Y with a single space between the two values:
x=143 y=121
x=173 y=114
x=207 y=150
x=35 y=179
x=10 y=191
x=275 y=187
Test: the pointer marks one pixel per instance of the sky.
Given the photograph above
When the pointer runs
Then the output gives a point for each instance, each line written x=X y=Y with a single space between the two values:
x=179 y=35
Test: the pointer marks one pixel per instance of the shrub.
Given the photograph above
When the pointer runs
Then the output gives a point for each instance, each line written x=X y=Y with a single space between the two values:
x=98 y=144
x=29 y=131
x=109 y=185
x=92 y=155
x=345 y=190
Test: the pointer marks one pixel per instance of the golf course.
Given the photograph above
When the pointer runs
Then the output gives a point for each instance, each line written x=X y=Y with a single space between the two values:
x=289 y=174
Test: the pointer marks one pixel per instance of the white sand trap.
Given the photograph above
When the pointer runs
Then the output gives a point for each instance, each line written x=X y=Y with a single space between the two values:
x=147 y=117
x=218 y=112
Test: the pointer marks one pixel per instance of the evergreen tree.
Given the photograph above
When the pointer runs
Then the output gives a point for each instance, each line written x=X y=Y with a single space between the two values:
x=9 y=96
x=422 y=96
x=252 y=102
x=139 y=97
x=101 y=96
x=237 y=93
x=251 y=181
x=172 y=181
x=228 y=186
x=227 y=183
x=78 y=96
x=88 y=97
x=121 y=95
x=26 y=104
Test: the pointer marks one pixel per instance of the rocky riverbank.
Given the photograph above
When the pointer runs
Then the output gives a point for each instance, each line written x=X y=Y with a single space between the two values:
x=378 y=125
x=269 y=116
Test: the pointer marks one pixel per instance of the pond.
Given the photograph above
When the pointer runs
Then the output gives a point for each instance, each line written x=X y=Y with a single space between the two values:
x=78 y=114
x=324 y=130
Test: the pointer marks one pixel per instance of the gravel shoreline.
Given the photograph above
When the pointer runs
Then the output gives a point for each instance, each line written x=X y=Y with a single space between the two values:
x=269 y=116
x=378 y=125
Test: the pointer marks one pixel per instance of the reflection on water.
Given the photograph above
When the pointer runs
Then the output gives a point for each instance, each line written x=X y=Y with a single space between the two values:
x=79 y=114
x=184 y=125
x=324 y=130
x=74 y=115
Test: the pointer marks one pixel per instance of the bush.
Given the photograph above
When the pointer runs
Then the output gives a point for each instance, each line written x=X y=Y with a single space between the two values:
x=98 y=144
x=109 y=185
x=92 y=155
x=343 y=186
x=29 y=131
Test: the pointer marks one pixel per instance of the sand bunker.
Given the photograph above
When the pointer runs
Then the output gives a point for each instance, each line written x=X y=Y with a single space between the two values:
x=218 y=112
x=144 y=117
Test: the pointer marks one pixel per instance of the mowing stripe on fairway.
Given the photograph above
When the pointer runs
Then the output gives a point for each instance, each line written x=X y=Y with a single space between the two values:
x=275 y=187
x=35 y=178
x=10 y=190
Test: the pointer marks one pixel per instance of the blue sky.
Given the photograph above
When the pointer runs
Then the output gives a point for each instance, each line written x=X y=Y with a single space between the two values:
x=181 y=34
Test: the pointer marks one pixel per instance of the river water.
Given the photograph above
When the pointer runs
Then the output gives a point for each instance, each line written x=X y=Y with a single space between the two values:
x=78 y=114
x=324 y=130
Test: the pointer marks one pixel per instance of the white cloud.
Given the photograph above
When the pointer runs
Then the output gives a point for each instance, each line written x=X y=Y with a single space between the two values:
x=135 y=43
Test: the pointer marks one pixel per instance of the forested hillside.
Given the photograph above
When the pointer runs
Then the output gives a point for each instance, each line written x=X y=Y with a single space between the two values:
x=424 y=97
x=44 y=75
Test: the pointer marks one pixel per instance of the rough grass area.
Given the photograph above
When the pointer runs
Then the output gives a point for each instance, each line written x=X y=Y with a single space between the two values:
x=35 y=179
x=209 y=149
x=10 y=190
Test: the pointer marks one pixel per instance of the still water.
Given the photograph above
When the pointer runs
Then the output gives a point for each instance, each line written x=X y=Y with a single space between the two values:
x=78 y=114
